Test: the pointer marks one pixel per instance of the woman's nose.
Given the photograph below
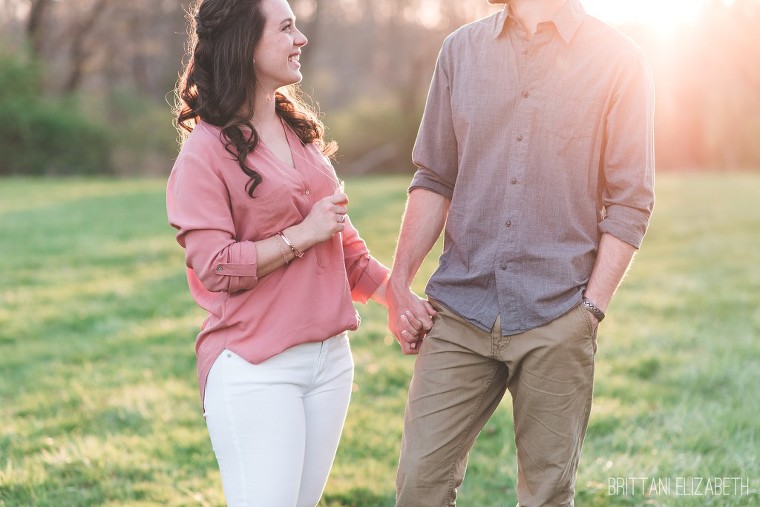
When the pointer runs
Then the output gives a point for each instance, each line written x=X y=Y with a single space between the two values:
x=301 y=39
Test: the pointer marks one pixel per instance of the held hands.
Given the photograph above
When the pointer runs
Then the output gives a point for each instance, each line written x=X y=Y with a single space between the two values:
x=409 y=318
x=326 y=218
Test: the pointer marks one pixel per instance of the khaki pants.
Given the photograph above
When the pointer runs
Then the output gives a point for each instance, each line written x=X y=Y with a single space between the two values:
x=461 y=375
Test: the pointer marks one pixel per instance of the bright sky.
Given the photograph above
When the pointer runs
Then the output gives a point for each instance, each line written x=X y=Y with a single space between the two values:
x=661 y=15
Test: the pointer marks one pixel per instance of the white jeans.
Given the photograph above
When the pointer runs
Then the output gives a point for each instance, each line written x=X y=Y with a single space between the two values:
x=275 y=426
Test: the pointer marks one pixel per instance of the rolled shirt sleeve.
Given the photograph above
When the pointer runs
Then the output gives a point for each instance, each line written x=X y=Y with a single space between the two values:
x=365 y=273
x=198 y=207
x=435 y=150
x=628 y=156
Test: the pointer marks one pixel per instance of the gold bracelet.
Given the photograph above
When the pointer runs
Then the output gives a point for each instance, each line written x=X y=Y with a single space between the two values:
x=282 y=251
x=293 y=249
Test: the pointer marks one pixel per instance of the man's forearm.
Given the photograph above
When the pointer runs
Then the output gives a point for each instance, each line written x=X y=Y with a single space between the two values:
x=424 y=218
x=612 y=262
x=409 y=318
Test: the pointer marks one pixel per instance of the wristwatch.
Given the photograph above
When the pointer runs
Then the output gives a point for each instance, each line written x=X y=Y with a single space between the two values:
x=596 y=312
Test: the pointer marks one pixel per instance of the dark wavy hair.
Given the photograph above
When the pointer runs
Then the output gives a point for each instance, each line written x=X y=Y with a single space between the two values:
x=218 y=83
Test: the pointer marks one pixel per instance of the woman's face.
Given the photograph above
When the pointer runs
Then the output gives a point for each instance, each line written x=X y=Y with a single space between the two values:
x=277 y=53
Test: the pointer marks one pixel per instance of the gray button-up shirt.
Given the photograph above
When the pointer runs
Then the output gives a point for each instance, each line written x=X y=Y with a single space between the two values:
x=542 y=145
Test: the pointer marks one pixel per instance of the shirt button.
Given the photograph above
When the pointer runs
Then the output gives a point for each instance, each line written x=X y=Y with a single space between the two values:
x=503 y=267
x=220 y=268
x=508 y=223
x=307 y=192
x=525 y=94
x=514 y=181
x=519 y=138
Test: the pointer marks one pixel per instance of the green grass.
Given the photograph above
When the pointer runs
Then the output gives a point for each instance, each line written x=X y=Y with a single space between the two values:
x=98 y=397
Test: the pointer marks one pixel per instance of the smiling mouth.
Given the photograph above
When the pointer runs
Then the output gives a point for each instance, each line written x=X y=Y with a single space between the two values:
x=294 y=58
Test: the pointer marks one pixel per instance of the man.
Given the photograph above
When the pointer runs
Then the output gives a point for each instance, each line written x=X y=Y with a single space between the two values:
x=536 y=152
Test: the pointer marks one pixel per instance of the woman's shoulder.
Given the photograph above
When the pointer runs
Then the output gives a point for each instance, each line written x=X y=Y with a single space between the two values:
x=202 y=151
x=204 y=137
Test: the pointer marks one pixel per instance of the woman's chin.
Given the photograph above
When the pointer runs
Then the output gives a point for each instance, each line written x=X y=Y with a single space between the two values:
x=294 y=78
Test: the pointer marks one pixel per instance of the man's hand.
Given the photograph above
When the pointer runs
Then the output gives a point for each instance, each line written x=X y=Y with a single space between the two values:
x=409 y=317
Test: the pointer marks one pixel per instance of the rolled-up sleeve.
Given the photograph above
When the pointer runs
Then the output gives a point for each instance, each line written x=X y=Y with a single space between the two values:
x=628 y=157
x=365 y=273
x=198 y=207
x=435 y=150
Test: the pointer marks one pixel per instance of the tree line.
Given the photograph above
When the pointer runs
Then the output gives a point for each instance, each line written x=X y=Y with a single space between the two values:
x=109 y=67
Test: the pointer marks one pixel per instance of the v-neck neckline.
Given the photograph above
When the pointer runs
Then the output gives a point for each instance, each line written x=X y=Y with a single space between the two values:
x=280 y=161
x=297 y=150
x=294 y=172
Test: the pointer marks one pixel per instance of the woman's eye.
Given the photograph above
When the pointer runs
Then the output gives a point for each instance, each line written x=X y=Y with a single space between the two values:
x=287 y=27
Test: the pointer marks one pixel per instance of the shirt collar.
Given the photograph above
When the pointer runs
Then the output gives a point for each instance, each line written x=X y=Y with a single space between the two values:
x=567 y=20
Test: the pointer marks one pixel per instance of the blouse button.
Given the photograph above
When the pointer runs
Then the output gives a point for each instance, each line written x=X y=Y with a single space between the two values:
x=220 y=268
x=307 y=192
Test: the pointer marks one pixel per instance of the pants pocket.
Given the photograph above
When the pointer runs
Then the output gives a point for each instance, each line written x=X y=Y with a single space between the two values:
x=591 y=323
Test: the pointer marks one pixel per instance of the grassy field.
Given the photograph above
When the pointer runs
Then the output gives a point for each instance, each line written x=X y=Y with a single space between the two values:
x=99 y=403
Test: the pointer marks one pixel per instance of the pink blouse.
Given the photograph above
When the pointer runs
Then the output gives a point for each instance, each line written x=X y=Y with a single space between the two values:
x=310 y=299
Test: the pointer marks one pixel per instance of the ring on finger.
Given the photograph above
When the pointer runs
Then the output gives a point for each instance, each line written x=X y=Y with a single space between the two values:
x=341 y=218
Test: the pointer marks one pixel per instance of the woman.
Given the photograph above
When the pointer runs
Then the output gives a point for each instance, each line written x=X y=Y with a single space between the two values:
x=270 y=254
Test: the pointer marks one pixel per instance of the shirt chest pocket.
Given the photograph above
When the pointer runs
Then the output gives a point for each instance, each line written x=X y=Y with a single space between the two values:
x=570 y=117
x=265 y=215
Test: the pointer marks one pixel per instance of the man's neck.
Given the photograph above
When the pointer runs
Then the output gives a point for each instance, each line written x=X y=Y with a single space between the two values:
x=531 y=13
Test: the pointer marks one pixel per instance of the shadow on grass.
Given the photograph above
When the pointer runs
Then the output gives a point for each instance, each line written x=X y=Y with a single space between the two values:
x=358 y=497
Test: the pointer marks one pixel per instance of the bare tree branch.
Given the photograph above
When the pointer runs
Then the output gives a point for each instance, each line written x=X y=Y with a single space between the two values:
x=79 y=52
x=34 y=25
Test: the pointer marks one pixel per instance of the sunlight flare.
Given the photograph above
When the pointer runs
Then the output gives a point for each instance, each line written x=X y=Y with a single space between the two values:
x=664 y=18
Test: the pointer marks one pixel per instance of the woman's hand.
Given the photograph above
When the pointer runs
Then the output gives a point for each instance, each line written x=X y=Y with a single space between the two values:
x=409 y=317
x=325 y=219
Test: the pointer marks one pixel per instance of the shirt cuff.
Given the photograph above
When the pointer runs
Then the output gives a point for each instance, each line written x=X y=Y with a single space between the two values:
x=422 y=180
x=626 y=224
x=374 y=275
x=241 y=268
